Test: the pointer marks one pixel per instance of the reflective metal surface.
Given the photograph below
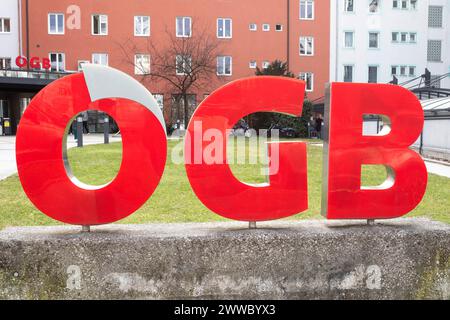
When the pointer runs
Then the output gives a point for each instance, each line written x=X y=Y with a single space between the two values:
x=215 y=185
x=346 y=150
x=40 y=161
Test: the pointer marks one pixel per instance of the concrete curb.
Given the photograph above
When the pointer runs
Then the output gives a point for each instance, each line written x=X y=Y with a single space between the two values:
x=397 y=259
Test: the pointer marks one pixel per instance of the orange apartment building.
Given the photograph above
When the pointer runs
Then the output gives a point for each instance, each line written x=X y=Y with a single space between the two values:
x=252 y=33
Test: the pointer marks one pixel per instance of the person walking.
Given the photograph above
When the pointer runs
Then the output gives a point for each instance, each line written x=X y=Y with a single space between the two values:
x=318 y=126
x=85 y=117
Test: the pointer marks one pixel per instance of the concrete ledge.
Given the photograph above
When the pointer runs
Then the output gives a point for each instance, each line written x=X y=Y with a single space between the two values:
x=398 y=259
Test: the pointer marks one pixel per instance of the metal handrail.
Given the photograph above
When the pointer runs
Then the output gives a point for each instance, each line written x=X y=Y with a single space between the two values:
x=32 y=73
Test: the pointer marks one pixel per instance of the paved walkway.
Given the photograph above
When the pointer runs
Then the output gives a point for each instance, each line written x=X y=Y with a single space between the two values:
x=8 y=150
x=437 y=167
x=8 y=155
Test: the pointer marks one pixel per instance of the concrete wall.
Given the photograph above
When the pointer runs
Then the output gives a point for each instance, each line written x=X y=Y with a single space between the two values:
x=398 y=259
x=436 y=139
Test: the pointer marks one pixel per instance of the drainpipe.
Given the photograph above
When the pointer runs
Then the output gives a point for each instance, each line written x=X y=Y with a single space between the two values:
x=28 y=34
x=288 y=31
x=19 y=19
x=336 y=68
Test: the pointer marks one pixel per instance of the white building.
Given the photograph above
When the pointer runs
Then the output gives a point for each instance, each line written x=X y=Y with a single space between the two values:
x=9 y=33
x=375 y=40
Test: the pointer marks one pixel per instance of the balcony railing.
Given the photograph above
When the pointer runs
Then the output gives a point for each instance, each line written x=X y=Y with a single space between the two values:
x=33 y=74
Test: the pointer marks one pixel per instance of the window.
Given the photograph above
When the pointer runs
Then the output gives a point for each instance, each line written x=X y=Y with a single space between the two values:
x=435 y=16
x=395 y=4
x=348 y=73
x=253 y=27
x=373 y=74
x=224 y=28
x=5 y=25
x=394 y=70
x=100 y=58
x=349 y=6
x=434 y=50
x=265 y=64
x=266 y=27
x=252 y=64
x=404 y=4
x=306 y=9
x=56 y=23
x=159 y=100
x=412 y=37
x=141 y=64
x=81 y=63
x=183 y=27
x=413 y=4
x=308 y=77
x=403 y=37
x=279 y=27
x=183 y=65
x=57 y=62
x=348 y=39
x=5 y=63
x=306 y=46
x=394 y=36
x=99 y=24
x=224 y=66
x=142 y=26
x=373 y=6
x=403 y=71
x=373 y=40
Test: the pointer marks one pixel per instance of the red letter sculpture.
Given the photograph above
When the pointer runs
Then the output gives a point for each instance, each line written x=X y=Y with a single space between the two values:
x=41 y=136
x=346 y=150
x=215 y=185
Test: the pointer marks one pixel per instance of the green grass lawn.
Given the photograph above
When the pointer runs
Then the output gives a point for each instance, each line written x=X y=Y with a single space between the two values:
x=174 y=201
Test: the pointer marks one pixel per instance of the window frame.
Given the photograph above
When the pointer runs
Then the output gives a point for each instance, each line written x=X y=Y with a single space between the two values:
x=223 y=20
x=56 y=14
x=377 y=67
x=378 y=40
x=183 y=27
x=313 y=14
x=346 y=2
x=428 y=47
x=184 y=60
x=135 y=27
x=5 y=59
x=306 y=45
x=138 y=71
x=311 y=74
x=101 y=53
x=353 y=39
x=224 y=74
x=378 y=7
x=352 y=74
x=58 y=69
x=2 y=25
x=100 y=15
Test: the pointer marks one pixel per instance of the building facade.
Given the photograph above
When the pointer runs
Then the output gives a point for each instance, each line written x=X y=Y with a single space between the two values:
x=9 y=50
x=251 y=34
x=380 y=41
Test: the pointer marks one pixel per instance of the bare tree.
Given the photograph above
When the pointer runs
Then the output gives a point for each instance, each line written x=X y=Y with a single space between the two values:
x=184 y=63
